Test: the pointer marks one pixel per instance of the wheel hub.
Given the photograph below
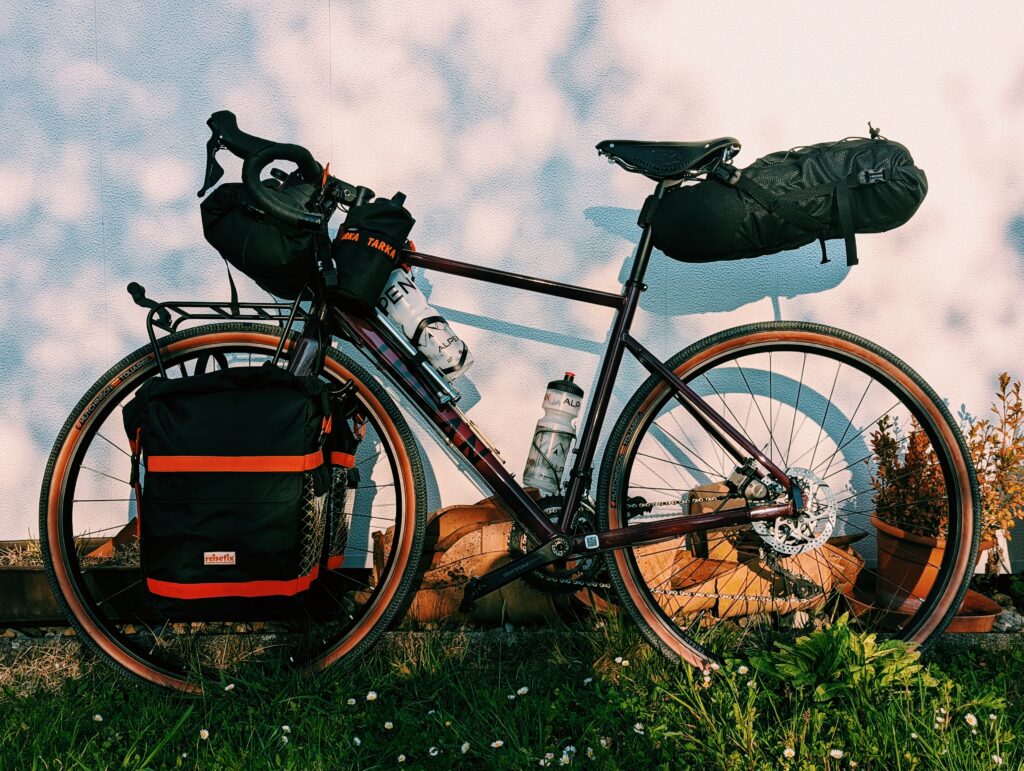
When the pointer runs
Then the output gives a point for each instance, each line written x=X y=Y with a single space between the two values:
x=811 y=527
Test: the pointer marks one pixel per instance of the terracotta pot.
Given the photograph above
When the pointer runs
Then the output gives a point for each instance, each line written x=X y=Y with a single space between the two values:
x=908 y=565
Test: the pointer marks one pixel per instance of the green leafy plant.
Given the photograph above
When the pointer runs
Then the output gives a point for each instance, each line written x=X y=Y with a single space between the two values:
x=909 y=489
x=839 y=664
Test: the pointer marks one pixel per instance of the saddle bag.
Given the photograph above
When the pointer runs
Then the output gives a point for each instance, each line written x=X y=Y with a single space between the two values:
x=366 y=250
x=280 y=258
x=232 y=484
x=789 y=199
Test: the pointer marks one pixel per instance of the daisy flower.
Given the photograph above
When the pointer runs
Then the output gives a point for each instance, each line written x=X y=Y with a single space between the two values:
x=638 y=728
x=497 y=743
x=98 y=717
x=522 y=691
x=388 y=725
x=464 y=748
x=204 y=734
x=971 y=720
x=789 y=753
x=433 y=752
x=742 y=669
x=371 y=696
x=837 y=754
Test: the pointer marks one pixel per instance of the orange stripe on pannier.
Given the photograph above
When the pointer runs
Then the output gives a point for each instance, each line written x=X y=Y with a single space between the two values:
x=242 y=463
x=343 y=459
x=333 y=563
x=211 y=590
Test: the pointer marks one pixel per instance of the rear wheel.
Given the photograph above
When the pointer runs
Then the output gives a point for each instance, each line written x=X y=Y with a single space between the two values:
x=92 y=556
x=890 y=531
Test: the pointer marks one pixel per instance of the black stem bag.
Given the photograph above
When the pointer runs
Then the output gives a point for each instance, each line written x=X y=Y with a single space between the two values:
x=789 y=199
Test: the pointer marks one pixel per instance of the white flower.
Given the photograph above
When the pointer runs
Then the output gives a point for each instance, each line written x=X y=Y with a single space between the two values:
x=184 y=754
x=837 y=754
x=511 y=697
x=371 y=696
x=564 y=760
x=284 y=740
x=942 y=710
x=286 y=729
x=433 y=752
x=751 y=684
x=714 y=666
x=606 y=742
x=997 y=759
x=853 y=764
x=638 y=728
x=789 y=753
x=464 y=748
x=991 y=716
x=971 y=720
x=350 y=702
x=618 y=659
x=625 y=662
x=98 y=717
x=497 y=743
x=590 y=752
x=544 y=762
x=229 y=687
x=588 y=680
x=743 y=669
x=388 y=725
x=569 y=750
x=204 y=734
x=974 y=730
x=401 y=758
x=523 y=691
x=913 y=735
x=431 y=711
x=939 y=719
x=447 y=723
x=357 y=741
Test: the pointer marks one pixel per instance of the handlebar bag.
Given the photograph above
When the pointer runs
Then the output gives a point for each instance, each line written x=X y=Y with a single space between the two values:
x=232 y=485
x=280 y=258
x=366 y=250
x=789 y=199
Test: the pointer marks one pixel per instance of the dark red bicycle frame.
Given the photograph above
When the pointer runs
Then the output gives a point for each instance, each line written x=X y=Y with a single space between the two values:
x=369 y=334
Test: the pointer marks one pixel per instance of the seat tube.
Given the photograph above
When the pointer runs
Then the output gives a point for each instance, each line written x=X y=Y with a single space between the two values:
x=582 y=469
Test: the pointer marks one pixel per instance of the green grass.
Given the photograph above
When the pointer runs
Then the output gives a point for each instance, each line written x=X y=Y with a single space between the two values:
x=440 y=692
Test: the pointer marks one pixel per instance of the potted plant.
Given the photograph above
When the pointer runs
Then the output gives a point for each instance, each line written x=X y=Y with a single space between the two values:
x=910 y=514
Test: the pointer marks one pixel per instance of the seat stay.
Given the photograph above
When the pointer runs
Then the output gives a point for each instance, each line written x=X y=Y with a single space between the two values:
x=667 y=160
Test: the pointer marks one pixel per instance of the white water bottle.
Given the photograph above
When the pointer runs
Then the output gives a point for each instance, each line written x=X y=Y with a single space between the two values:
x=554 y=435
x=404 y=303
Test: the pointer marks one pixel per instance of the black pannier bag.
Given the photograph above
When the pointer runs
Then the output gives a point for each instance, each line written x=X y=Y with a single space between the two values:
x=789 y=199
x=233 y=486
x=367 y=248
x=280 y=258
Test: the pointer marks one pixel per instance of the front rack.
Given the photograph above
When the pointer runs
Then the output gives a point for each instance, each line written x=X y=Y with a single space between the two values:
x=170 y=315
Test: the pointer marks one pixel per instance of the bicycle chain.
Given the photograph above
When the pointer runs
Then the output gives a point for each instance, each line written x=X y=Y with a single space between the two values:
x=671 y=592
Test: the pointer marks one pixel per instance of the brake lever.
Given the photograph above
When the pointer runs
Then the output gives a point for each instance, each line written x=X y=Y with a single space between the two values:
x=213 y=169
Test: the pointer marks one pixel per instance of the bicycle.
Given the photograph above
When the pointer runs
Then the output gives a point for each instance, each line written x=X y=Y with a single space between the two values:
x=736 y=501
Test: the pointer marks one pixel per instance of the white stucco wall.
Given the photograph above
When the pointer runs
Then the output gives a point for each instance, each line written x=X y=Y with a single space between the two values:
x=486 y=115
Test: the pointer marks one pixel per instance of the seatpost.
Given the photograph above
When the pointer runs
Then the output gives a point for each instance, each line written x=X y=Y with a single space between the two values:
x=581 y=473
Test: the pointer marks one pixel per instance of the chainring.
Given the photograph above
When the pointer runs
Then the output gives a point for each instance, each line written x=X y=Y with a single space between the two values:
x=567 y=576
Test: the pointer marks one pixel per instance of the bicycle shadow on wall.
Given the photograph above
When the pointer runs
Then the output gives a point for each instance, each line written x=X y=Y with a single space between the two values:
x=695 y=288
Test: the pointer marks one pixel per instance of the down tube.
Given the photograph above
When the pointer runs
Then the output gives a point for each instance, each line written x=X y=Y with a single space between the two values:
x=456 y=428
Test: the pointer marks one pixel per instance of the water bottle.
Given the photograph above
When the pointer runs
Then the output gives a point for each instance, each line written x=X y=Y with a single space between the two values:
x=554 y=435
x=404 y=303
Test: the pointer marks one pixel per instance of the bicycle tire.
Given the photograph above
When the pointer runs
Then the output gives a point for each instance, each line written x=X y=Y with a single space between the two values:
x=80 y=596
x=701 y=622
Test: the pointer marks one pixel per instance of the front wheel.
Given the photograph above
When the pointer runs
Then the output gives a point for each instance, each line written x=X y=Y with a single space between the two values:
x=889 y=534
x=87 y=532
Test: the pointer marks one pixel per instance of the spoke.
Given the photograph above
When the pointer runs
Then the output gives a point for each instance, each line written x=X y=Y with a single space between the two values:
x=796 y=409
x=673 y=462
x=116 y=447
x=672 y=414
x=824 y=418
x=760 y=412
x=103 y=474
x=860 y=433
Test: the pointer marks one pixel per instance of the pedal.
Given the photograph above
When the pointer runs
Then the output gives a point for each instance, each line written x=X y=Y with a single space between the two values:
x=469 y=596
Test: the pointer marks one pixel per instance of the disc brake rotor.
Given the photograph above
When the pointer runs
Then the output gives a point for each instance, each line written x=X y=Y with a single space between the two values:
x=810 y=528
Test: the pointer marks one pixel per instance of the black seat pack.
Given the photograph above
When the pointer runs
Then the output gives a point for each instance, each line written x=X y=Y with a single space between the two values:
x=788 y=199
x=367 y=248
x=233 y=485
x=280 y=258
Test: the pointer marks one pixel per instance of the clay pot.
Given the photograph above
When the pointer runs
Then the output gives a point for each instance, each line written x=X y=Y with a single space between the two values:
x=908 y=565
